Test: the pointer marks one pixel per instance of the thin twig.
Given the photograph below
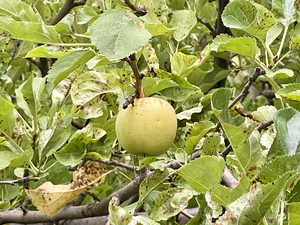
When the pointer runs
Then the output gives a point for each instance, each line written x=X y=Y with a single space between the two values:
x=138 y=11
x=208 y=26
x=246 y=115
x=67 y=7
x=186 y=214
x=18 y=181
x=264 y=125
x=34 y=63
x=130 y=5
x=132 y=61
x=227 y=150
x=246 y=88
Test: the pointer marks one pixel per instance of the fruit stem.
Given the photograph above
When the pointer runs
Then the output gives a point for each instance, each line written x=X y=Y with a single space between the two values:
x=131 y=60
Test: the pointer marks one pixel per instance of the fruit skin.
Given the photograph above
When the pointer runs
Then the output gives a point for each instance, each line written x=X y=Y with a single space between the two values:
x=148 y=127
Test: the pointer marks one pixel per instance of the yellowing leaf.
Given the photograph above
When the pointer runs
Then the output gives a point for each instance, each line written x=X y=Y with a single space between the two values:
x=50 y=198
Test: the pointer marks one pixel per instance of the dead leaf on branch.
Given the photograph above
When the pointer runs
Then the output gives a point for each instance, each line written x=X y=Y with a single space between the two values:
x=50 y=198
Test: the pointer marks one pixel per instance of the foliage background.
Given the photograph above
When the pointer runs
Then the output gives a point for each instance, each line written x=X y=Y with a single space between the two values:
x=230 y=69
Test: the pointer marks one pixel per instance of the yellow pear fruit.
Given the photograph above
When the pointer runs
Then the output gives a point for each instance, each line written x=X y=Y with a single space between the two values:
x=148 y=127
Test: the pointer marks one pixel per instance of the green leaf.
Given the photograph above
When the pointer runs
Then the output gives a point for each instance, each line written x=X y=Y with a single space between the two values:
x=281 y=74
x=154 y=85
x=187 y=114
x=182 y=82
x=45 y=52
x=29 y=96
x=117 y=214
x=29 y=31
x=245 y=46
x=295 y=42
x=5 y=158
x=251 y=208
x=293 y=213
x=118 y=33
x=179 y=94
x=289 y=12
x=176 y=4
x=7 y=116
x=182 y=64
x=18 y=10
x=151 y=57
x=55 y=138
x=262 y=199
x=207 y=79
x=250 y=17
x=279 y=166
x=150 y=183
x=224 y=195
x=86 y=14
x=220 y=98
x=203 y=173
x=212 y=145
x=239 y=14
x=59 y=174
x=9 y=192
x=182 y=22
x=170 y=202
x=195 y=133
x=287 y=123
x=88 y=86
x=264 y=113
x=290 y=91
x=154 y=26
x=22 y=158
x=67 y=64
x=73 y=152
x=245 y=145
x=158 y=7
x=91 y=109
x=143 y=220
x=25 y=98
x=263 y=22
x=273 y=33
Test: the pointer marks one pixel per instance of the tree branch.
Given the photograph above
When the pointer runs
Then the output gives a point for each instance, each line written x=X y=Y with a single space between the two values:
x=264 y=125
x=246 y=115
x=130 y=5
x=219 y=26
x=226 y=151
x=67 y=7
x=247 y=86
x=74 y=212
x=228 y=179
x=102 y=220
x=95 y=209
x=208 y=26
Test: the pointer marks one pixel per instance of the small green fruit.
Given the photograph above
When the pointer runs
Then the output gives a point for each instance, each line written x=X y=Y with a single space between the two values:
x=148 y=127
